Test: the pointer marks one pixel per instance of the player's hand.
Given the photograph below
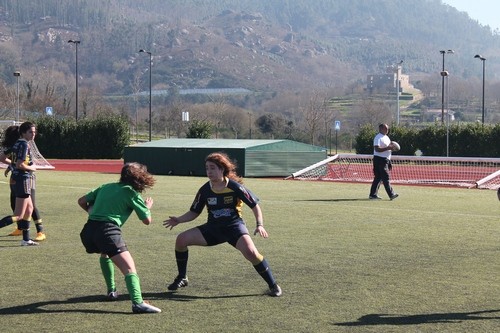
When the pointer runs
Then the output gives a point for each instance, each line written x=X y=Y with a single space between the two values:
x=7 y=170
x=261 y=231
x=149 y=202
x=171 y=222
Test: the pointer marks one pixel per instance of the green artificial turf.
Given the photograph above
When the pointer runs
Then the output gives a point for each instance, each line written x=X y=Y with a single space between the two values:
x=428 y=261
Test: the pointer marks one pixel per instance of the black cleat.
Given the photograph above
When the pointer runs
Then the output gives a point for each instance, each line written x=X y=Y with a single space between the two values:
x=275 y=291
x=179 y=282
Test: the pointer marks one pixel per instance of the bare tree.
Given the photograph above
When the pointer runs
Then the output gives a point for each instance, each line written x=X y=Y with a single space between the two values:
x=371 y=111
x=136 y=84
x=173 y=118
x=8 y=98
x=234 y=118
x=218 y=108
x=317 y=115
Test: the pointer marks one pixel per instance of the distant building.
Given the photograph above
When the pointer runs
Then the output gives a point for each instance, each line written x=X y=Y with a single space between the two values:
x=437 y=113
x=388 y=82
x=200 y=91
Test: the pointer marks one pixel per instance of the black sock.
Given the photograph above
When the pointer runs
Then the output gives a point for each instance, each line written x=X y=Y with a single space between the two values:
x=26 y=235
x=8 y=220
x=24 y=225
x=265 y=271
x=182 y=259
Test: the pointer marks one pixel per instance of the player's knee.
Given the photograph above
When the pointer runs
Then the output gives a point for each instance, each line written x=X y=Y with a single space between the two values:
x=186 y=238
x=251 y=255
x=116 y=251
x=23 y=225
x=181 y=242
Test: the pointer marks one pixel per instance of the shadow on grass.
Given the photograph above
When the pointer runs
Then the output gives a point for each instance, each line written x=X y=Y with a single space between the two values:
x=337 y=200
x=9 y=238
x=9 y=241
x=42 y=307
x=52 y=306
x=174 y=296
x=454 y=317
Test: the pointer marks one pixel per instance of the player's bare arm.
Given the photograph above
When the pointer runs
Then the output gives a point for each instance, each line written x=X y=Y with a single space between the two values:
x=259 y=222
x=175 y=220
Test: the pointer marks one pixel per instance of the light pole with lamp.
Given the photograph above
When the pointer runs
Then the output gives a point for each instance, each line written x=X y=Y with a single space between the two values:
x=17 y=74
x=250 y=124
x=443 y=52
x=76 y=42
x=483 y=59
x=446 y=75
x=398 y=73
x=150 y=61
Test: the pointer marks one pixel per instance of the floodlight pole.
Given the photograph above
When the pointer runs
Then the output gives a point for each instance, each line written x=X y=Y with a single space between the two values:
x=150 y=62
x=443 y=75
x=447 y=115
x=398 y=72
x=250 y=124
x=76 y=42
x=443 y=52
x=483 y=59
x=17 y=74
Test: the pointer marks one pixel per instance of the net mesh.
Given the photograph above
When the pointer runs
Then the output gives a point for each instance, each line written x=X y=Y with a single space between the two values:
x=449 y=171
x=38 y=160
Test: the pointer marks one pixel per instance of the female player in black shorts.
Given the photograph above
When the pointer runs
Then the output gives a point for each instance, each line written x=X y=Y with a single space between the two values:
x=11 y=135
x=22 y=182
x=223 y=195
x=109 y=206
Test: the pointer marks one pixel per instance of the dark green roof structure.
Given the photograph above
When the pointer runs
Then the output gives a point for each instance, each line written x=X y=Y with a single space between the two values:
x=254 y=158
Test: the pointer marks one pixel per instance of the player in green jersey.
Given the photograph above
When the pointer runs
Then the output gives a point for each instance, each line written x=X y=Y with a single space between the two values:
x=109 y=206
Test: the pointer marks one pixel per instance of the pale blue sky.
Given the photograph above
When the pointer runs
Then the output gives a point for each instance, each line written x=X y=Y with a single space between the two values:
x=486 y=12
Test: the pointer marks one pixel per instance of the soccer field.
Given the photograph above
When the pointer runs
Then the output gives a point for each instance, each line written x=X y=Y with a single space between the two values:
x=428 y=261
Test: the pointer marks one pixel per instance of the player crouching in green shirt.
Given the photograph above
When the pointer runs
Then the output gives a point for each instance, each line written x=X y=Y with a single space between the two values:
x=109 y=206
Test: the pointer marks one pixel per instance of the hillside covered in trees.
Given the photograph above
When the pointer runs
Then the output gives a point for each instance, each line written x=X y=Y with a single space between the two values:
x=255 y=44
x=277 y=49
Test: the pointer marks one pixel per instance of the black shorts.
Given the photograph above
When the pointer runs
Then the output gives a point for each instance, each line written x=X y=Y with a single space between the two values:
x=215 y=234
x=21 y=186
x=102 y=237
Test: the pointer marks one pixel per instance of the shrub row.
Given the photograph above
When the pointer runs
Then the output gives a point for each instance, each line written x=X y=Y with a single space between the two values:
x=464 y=140
x=104 y=137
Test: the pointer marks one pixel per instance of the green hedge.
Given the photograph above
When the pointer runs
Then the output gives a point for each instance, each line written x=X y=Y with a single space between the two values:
x=467 y=140
x=100 y=138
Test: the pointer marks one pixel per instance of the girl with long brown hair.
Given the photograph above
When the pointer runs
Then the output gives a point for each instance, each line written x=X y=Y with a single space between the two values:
x=223 y=196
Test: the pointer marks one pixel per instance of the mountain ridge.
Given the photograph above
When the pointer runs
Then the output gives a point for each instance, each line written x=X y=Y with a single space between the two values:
x=248 y=44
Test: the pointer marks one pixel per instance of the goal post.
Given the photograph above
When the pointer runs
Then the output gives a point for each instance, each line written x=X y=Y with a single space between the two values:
x=490 y=182
x=419 y=170
x=38 y=160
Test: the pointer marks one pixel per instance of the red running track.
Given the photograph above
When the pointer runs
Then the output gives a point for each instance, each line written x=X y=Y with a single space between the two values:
x=105 y=166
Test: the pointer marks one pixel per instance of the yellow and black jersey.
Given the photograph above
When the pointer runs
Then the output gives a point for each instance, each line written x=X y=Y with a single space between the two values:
x=225 y=206
x=20 y=152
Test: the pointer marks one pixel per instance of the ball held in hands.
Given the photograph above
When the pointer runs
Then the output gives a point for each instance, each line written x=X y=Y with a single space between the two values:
x=395 y=146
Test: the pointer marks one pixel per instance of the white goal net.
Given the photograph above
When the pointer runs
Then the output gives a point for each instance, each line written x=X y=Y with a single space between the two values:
x=38 y=160
x=421 y=170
